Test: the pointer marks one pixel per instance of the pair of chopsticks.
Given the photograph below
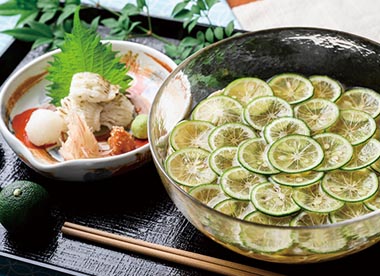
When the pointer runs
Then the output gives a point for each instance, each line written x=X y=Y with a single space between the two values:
x=174 y=255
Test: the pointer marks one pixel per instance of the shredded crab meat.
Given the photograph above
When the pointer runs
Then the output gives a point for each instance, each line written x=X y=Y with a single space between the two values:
x=81 y=142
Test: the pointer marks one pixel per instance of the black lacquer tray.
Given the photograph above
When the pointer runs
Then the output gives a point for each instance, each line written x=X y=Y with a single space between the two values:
x=134 y=204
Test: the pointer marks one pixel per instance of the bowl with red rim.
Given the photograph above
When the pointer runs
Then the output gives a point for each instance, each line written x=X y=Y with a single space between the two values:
x=25 y=91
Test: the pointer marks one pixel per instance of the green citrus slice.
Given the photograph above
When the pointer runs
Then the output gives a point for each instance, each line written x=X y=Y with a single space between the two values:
x=246 y=89
x=238 y=182
x=261 y=111
x=295 y=153
x=190 y=167
x=326 y=88
x=318 y=114
x=364 y=155
x=293 y=88
x=312 y=198
x=252 y=156
x=273 y=199
x=373 y=202
x=262 y=218
x=206 y=193
x=297 y=179
x=218 y=110
x=376 y=166
x=323 y=241
x=305 y=218
x=349 y=211
x=284 y=126
x=233 y=207
x=337 y=151
x=356 y=126
x=230 y=134
x=265 y=240
x=223 y=158
x=362 y=99
x=350 y=186
x=191 y=134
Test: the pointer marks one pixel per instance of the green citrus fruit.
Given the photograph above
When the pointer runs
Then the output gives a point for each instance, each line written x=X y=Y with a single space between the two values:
x=23 y=204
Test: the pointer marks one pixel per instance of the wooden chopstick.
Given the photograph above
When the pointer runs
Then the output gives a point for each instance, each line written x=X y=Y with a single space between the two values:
x=175 y=255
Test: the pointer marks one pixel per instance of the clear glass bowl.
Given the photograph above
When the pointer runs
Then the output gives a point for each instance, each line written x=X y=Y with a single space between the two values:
x=350 y=59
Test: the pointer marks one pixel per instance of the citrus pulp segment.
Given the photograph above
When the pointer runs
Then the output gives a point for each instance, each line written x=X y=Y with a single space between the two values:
x=350 y=186
x=362 y=99
x=230 y=134
x=274 y=199
x=318 y=114
x=246 y=89
x=326 y=88
x=284 y=126
x=191 y=133
x=354 y=125
x=205 y=193
x=218 y=110
x=337 y=151
x=252 y=156
x=295 y=154
x=190 y=167
x=293 y=88
x=313 y=199
x=297 y=179
x=263 y=110
x=238 y=182
x=223 y=158
x=364 y=155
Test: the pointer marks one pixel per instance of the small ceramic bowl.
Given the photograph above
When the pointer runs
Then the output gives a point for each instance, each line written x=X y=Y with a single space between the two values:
x=348 y=58
x=25 y=89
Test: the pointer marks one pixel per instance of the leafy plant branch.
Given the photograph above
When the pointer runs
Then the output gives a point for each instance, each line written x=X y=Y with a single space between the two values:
x=44 y=22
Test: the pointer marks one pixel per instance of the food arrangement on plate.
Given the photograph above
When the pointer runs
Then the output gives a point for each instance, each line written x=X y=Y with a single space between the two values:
x=277 y=154
x=80 y=113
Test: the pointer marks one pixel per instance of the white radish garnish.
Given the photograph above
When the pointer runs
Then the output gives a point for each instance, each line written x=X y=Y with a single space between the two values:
x=44 y=127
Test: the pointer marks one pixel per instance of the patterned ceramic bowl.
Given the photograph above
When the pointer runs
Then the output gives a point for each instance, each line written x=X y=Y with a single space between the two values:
x=352 y=60
x=25 y=89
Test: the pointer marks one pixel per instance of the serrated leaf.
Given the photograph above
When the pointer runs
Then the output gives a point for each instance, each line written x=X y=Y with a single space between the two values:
x=82 y=51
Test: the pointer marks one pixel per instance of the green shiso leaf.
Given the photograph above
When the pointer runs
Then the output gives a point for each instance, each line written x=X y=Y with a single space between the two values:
x=82 y=51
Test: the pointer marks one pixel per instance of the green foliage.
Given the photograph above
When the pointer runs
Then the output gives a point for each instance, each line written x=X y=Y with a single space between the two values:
x=82 y=51
x=45 y=22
